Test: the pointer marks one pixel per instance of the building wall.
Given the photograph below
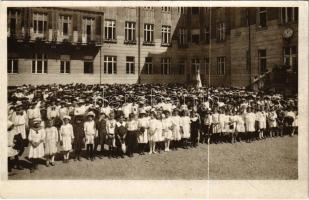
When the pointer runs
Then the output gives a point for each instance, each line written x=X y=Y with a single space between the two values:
x=234 y=48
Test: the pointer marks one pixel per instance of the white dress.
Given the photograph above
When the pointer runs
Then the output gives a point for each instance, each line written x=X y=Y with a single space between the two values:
x=152 y=131
x=250 y=122
x=20 y=124
x=185 y=124
x=240 y=124
x=176 y=128
x=143 y=137
x=51 y=140
x=215 y=122
x=90 y=132
x=37 y=137
x=11 y=152
x=272 y=119
x=261 y=119
x=167 y=128
x=66 y=136
x=222 y=121
x=159 y=132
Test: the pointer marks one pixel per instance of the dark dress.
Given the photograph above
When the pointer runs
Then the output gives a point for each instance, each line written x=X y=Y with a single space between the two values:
x=101 y=125
x=79 y=135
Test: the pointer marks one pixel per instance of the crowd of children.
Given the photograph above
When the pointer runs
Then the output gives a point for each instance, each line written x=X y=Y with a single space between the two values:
x=115 y=121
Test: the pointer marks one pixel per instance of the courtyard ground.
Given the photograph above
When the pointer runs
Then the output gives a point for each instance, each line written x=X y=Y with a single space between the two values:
x=274 y=158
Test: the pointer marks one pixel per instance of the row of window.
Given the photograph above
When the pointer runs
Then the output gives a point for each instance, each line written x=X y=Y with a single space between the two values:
x=288 y=15
x=40 y=64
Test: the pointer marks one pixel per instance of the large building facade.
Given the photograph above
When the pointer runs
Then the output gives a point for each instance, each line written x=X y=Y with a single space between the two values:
x=228 y=46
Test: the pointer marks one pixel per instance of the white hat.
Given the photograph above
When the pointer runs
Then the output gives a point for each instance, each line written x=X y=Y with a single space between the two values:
x=91 y=114
x=37 y=120
x=67 y=117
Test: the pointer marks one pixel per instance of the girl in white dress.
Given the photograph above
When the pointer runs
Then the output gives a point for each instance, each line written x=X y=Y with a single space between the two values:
x=215 y=126
x=152 y=132
x=90 y=133
x=250 y=124
x=272 y=121
x=176 y=135
x=232 y=126
x=185 y=128
x=261 y=120
x=167 y=130
x=159 y=132
x=50 y=142
x=240 y=125
x=223 y=120
x=66 y=138
x=36 y=142
x=12 y=152
x=111 y=139
x=142 y=139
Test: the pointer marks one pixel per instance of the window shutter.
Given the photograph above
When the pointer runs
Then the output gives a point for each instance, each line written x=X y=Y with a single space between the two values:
x=98 y=25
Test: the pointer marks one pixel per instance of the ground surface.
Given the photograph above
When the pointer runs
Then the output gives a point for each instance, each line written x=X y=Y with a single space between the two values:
x=274 y=158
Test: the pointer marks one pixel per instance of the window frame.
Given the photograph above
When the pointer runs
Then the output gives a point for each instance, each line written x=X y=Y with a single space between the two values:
x=195 y=65
x=262 y=11
x=262 y=58
x=66 y=67
x=221 y=31
x=39 y=17
x=166 y=66
x=148 y=29
x=36 y=60
x=291 y=56
x=130 y=65
x=166 y=35
x=148 y=65
x=92 y=66
x=221 y=65
x=130 y=27
x=12 y=68
x=284 y=15
x=109 y=26
x=108 y=59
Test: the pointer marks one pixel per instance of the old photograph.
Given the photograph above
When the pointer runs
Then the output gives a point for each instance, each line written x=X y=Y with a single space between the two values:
x=172 y=92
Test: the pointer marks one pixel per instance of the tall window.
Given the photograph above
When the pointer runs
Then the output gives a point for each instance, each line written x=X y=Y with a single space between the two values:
x=207 y=65
x=289 y=15
x=195 y=36
x=89 y=28
x=165 y=65
x=220 y=65
x=195 y=65
x=39 y=23
x=290 y=57
x=207 y=35
x=148 y=33
x=262 y=60
x=166 y=35
x=110 y=65
x=88 y=66
x=181 y=10
x=262 y=17
x=66 y=23
x=195 y=10
x=181 y=67
x=39 y=63
x=166 y=9
x=13 y=16
x=148 y=65
x=110 y=29
x=130 y=65
x=130 y=31
x=182 y=36
x=12 y=66
x=65 y=64
x=220 y=31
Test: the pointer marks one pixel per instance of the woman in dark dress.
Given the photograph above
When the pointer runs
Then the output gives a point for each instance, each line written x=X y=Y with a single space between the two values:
x=195 y=128
x=79 y=136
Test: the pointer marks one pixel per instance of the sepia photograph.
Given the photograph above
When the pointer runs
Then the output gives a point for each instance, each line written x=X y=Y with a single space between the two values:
x=152 y=93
